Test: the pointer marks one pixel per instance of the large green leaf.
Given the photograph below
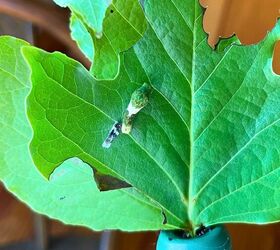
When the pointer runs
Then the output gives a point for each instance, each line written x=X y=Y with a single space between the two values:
x=71 y=194
x=206 y=148
x=103 y=29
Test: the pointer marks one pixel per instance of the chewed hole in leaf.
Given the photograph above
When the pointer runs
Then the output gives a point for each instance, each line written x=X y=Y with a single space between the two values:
x=225 y=44
x=108 y=183
x=276 y=58
x=103 y=182
x=223 y=19
x=164 y=218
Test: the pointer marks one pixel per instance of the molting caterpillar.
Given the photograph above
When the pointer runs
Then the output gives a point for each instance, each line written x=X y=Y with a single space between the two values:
x=139 y=99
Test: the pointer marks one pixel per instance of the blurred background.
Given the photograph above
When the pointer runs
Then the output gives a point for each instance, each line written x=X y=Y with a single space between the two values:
x=46 y=25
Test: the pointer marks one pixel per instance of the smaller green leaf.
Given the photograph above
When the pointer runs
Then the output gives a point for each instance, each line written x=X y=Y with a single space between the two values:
x=71 y=195
x=124 y=24
x=92 y=11
x=82 y=37
x=71 y=113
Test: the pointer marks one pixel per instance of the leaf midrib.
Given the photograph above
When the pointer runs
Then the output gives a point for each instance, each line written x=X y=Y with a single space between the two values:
x=191 y=203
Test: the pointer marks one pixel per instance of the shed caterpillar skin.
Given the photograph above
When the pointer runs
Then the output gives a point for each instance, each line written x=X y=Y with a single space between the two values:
x=139 y=99
x=113 y=134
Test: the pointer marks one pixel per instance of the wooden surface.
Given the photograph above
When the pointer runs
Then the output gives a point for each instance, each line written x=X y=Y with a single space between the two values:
x=46 y=15
x=250 y=20
x=253 y=237
x=15 y=220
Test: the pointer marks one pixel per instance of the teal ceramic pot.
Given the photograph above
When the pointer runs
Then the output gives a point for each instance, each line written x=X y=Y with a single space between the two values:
x=216 y=239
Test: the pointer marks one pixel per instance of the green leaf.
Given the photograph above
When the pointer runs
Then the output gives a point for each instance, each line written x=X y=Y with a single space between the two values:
x=231 y=108
x=71 y=113
x=123 y=25
x=71 y=194
x=82 y=37
x=206 y=147
x=91 y=11
x=225 y=44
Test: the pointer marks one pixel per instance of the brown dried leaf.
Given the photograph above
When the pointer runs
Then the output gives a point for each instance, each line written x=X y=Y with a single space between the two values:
x=249 y=20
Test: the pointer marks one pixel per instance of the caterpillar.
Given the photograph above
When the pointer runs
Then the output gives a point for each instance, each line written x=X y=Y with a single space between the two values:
x=139 y=99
